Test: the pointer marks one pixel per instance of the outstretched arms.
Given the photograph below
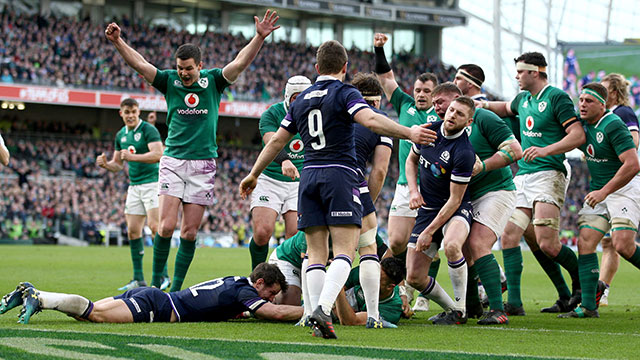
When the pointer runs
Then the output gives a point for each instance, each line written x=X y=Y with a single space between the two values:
x=130 y=56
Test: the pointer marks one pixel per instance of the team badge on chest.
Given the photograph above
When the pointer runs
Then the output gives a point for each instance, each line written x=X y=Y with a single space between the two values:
x=203 y=82
x=542 y=106
x=137 y=137
x=599 y=137
x=432 y=118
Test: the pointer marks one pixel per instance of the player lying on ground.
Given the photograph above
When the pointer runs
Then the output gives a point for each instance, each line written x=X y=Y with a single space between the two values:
x=214 y=300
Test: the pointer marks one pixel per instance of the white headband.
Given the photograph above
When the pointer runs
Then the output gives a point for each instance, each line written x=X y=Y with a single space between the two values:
x=524 y=66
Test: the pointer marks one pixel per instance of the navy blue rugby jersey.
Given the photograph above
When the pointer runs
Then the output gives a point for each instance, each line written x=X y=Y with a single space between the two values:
x=216 y=300
x=366 y=142
x=627 y=115
x=323 y=115
x=448 y=159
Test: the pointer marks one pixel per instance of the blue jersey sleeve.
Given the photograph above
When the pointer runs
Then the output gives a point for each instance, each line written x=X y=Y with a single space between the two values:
x=288 y=124
x=249 y=297
x=354 y=101
x=463 y=161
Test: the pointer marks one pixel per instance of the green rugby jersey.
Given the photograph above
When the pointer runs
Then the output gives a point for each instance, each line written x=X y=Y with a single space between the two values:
x=270 y=122
x=408 y=116
x=192 y=113
x=542 y=121
x=390 y=308
x=606 y=139
x=137 y=142
x=486 y=133
x=293 y=249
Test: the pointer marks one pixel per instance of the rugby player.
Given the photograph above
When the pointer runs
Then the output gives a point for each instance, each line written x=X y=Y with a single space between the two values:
x=445 y=212
x=138 y=143
x=549 y=128
x=277 y=190
x=613 y=201
x=492 y=196
x=214 y=300
x=411 y=111
x=328 y=198
x=188 y=166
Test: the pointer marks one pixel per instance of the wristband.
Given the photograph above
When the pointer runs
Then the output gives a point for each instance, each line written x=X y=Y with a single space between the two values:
x=382 y=66
x=485 y=104
x=484 y=166
x=402 y=290
x=282 y=156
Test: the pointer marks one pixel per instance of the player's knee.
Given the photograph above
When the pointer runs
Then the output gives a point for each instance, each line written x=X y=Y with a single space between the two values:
x=550 y=248
x=165 y=229
x=415 y=280
x=452 y=251
x=624 y=246
x=262 y=235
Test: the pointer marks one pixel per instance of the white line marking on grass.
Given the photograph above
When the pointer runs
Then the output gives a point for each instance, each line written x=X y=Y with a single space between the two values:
x=576 y=332
x=309 y=344
x=174 y=352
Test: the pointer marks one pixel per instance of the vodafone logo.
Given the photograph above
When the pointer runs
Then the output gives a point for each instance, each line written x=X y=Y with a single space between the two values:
x=591 y=151
x=529 y=123
x=131 y=149
x=296 y=146
x=191 y=100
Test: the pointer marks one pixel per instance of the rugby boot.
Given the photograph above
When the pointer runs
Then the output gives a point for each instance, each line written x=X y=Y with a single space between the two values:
x=322 y=325
x=512 y=310
x=14 y=298
x=494 y=317
x=580 y=312
x=30 y=306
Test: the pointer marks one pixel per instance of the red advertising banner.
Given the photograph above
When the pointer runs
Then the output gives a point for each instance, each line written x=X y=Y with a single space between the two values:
x=111 y=100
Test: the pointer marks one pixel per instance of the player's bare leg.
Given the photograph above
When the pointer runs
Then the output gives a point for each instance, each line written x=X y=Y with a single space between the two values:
x=191 y=219
x=399 y=232
x=290 y=223
x=169 y=206
x=609 y=267
x=263 y=221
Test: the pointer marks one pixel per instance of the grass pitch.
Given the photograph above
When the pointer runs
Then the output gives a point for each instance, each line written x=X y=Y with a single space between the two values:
x=97 y=272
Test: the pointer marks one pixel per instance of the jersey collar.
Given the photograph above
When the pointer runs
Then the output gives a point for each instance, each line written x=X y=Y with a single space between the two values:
x=430 y=109
x=454 y=136
x=135 y=128
x=607 y=113
x=326 y=78
x=542 y=91
x=614 y=108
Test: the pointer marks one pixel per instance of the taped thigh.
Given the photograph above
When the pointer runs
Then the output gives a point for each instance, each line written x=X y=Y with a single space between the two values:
x=553 y=223
x=520 y=219
x=368 y=238
x=619 y=223
x=594 y=222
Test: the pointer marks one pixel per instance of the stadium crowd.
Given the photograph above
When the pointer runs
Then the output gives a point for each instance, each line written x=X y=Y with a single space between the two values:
x=64 y=52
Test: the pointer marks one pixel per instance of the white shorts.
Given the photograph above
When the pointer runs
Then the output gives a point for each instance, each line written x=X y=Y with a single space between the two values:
x=189 y=180
x=547 y=186
x=141 y=198
x=281 y=196
x=400 y=203
x=291 y=273
x=494 y=209
x=622 y=204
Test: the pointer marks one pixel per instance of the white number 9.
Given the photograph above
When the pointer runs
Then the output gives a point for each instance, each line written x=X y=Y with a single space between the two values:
x=315 y=129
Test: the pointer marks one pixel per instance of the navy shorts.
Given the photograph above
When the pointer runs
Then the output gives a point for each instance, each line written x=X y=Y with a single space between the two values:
x=425 y=217
x=147 y=304
x=328 y=196
x=366 y=200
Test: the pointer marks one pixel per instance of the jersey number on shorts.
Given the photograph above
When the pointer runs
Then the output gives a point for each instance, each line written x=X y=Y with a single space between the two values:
x=315 y=129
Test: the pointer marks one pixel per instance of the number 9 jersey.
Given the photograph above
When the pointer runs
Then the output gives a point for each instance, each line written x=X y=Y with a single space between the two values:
x=323 y=115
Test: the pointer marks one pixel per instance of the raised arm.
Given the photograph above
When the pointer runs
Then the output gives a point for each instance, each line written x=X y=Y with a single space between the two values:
x=383 y=70
x=4 y=153
x=249 y=52
x=130 y=56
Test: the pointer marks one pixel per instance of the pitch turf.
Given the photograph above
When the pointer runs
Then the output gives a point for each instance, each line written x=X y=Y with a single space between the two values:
x=618 y=58
x=96 y=272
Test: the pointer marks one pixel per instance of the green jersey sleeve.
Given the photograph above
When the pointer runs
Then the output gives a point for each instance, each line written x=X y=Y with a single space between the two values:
x=496 y=129
x=562 y=106
x=221 y=82
x=270 y=120
x=398 y=99
x=151 y=134
x=160 y=81
x=353 y=279
x=516 y=101
x=116 y=142
x=619 y=136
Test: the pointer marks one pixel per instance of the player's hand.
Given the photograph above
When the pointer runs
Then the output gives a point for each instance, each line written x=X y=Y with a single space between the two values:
x=478 y=104
x=477 y=167
x=416 y=200
x=593 y=198
x=290 y=170
x=101 y=161
x=424 y=241
x=407 y=313
x=379 y=39
x=112 y=32
x=533 y=153
x=420 y=134
x=125 y=155
x=268 y=23
x=247 y=185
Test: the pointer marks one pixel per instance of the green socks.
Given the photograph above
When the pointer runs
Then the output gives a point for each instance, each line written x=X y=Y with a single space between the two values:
x=137 y=252
x=183 y=260
x=433 y=269
x=568 y=260
x=258 y=253
x=635 y=258
x=472 y=286
x=589 y=273
x=513 y=270
x=553 y=271
x=402 y=256
x=161 y=247
x=489 y=271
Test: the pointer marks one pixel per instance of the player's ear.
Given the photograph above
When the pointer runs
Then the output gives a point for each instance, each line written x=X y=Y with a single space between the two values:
x=344 y=68
x=317 y=68
x=200 y=66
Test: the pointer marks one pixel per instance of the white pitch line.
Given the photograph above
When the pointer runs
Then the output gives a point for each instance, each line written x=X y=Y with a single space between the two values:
x=577 y=332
